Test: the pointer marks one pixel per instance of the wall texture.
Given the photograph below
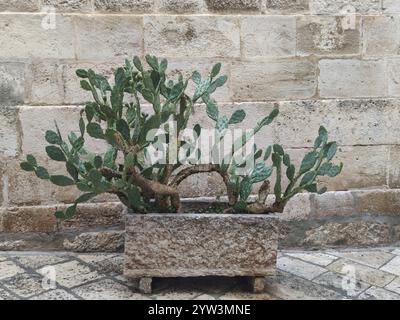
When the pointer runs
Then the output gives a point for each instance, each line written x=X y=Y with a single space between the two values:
x=330 y=62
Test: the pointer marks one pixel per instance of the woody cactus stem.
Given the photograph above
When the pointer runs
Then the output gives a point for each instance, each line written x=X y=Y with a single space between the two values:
x=126 y=168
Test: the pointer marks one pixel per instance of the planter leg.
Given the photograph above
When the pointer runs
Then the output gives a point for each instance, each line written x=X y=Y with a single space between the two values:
x=145 y=285
x=257 y=284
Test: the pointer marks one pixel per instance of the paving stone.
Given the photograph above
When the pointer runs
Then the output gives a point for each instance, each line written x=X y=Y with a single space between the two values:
x=56 y=294
x=24 y=285
x=300 y=268
x=288 y=287
x=396 y=252
x=73 y=273
x=393 y=266
x=394 y=285
x=375 y=293
x=38 y=261
x=174 y=295
x=321 y=259
x=105 y=263
x=5 y=295
x=107 y=290
x=9 y=269
x=363 y=273
x=373 y=259
x=335 y=281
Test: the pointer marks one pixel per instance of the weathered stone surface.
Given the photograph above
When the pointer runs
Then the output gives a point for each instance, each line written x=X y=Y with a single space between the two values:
x=107 y=263
x=394 y=286
x=325 y=35
x=364 y=167
x=366 y=274
x=102 y=241
x=47 y=83
x=204 y=66
x=69 y=5
x=29 y=219
x=393 y=266
x=73 y=93
x=227 y=5
x=24 y=285
x=380 y=35
x=188 y=36
x=349 y=122
x=288 y=286
x=339 y=203
x=286 y=6
x=12 y=245
x=335 y=281
x=300 y=268
x=321 y=259
x=350 y=233
x=338 y=7
x=393 y=167
x=267 y=36
x=375 y=293
x=203 y=244
x=9 y=137
x=107 y=289
x=273 y=79
x=12 y=83
x=378 y=202
x=393 y=77
x=133 y=6
x=180 y=6
x=33 y=37
x=91 y=215
x=298 y=208
x=56 y=294
x=371 y=258
x=36 y=261
x=9 y=269
x=18 y=5
x=123 y=40
x=391 y=6
x=351 y=78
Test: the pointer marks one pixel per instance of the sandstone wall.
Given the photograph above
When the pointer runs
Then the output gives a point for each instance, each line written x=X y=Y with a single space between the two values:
x=320 y=65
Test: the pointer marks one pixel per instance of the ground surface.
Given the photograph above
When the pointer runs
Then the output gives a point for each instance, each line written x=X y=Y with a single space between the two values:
x=372 y=273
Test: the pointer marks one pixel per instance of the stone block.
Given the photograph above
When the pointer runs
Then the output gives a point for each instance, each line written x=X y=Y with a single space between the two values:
x=286 y=6
x=12 y=83
x=192 y=36
x=180 y=6
x=273 y=79
x=68 y=5
x=18 y=5
x=393 y=76
x=337 y=7
x=336 y=203
x=378 y=202
x=36 y=36
x=114 y=37
x=132 y=6
x=349 y=122
x=9 y=132
x=322 y=35
x=101 y=241
x=47 y=83
x=380 y=35
x=390 y=6
x=351 y=78
x=348 y=234
x=268 y=36
x=394 y=167
x=233 y=5
x=200 y=245
x=29 y=219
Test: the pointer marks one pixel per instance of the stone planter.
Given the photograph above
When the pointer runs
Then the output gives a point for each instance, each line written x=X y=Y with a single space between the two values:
x=193 y=245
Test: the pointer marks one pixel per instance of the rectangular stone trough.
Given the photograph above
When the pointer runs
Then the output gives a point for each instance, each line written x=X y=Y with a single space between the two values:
x=193 y=245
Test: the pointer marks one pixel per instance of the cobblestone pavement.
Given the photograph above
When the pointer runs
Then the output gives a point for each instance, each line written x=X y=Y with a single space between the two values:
x=372 y=273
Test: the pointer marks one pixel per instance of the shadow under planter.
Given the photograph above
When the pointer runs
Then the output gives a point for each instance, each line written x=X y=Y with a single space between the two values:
x=195 y=245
